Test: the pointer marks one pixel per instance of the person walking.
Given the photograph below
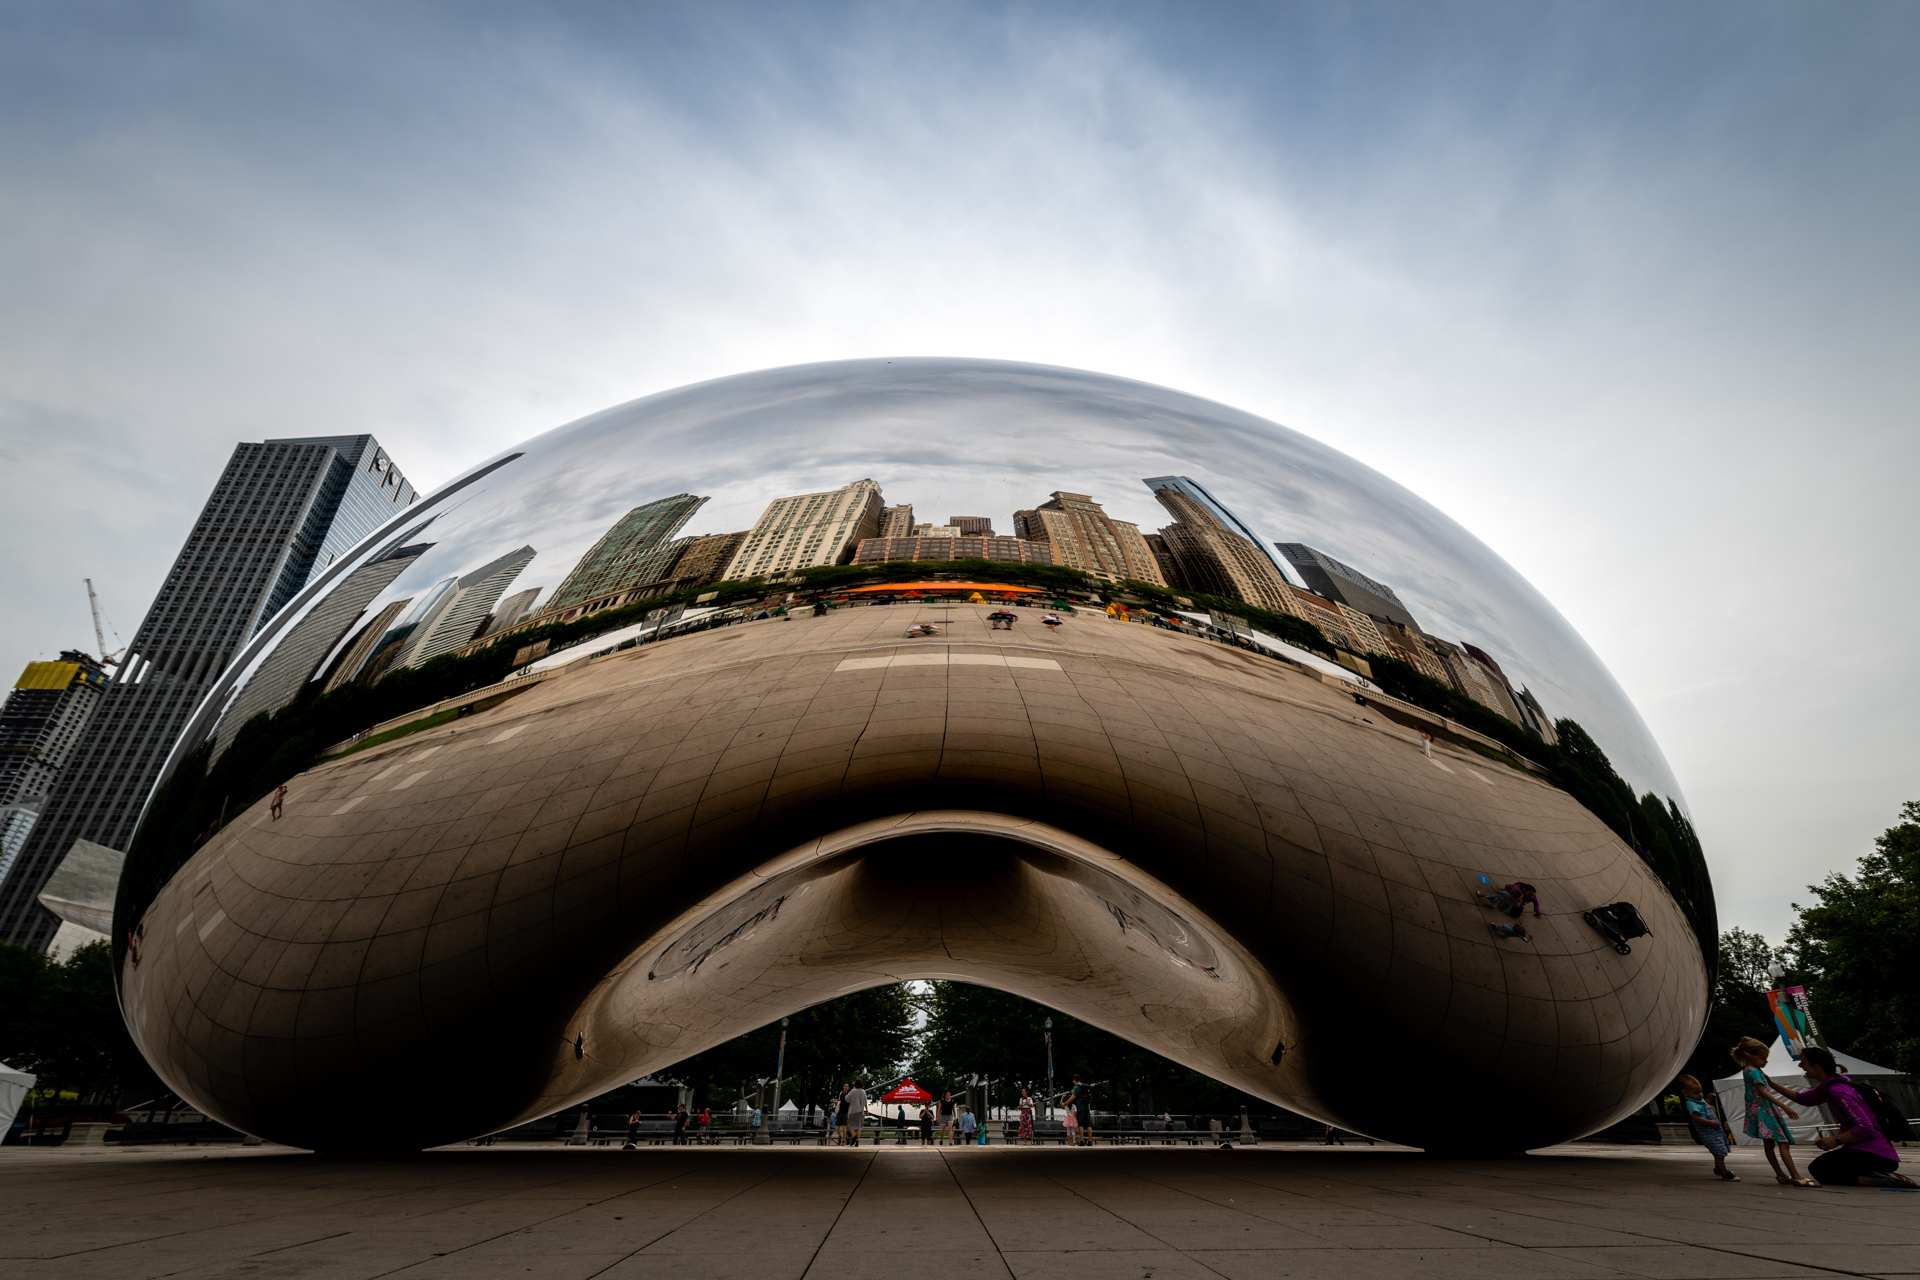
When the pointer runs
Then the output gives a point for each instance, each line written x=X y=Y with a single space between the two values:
x=946 y=1118
x=679 y=1126
x=1706 y=1127
x=1426 y=745
x=633 y=1131
x=926 y=1125
x=1026 y=1117
x=1859 y=1154
x=967 y=1125
x=1764 y=1107
x=279 y=798
x=856 y=1110
x=1082 y=1102
x=840 y=1114
x=1051 y=622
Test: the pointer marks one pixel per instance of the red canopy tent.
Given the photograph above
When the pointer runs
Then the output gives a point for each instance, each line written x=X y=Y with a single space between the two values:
x=907 y=1091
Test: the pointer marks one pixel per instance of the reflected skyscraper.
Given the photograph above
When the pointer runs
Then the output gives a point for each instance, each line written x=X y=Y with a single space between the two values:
x=629 y=554
x=809 y=529
x=1199 y=493
x=281 y=513
x=1083 y=536
x=1210 y=557
x=1343 y=582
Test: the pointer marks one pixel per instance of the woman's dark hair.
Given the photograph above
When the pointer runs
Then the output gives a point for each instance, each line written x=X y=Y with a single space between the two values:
x=1820 y=1058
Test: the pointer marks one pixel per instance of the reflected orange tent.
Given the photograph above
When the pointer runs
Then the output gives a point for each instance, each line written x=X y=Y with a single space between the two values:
x=905 y=588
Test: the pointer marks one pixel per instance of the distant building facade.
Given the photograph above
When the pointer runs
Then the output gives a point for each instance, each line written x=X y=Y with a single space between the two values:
x=1004 y=550
x=972 y=526
x=40 y=726
x=281 y=512
x=634 y=551
x=1083 y=536
x=809 y=530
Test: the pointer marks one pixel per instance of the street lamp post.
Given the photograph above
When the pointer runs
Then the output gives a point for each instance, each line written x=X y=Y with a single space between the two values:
x=779 y=1068
x=1049 y=1068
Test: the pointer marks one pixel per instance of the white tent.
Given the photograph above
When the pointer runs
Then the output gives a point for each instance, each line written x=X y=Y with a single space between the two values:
x=1782 y=1068
x=14 y=1087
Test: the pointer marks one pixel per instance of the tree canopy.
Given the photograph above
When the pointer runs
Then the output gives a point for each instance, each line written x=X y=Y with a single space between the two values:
x=60 y=1020
x=1859 y=945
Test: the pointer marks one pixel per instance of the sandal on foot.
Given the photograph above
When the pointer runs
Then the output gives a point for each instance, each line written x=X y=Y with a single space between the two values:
x=1784 y=1180
x=1806 y=1182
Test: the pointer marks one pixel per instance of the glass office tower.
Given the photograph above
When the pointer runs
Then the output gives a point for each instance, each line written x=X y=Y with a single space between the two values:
x=281 y=512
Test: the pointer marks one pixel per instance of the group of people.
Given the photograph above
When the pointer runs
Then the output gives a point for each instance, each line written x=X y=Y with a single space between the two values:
x=1512 y=900
x=1859 y=1154
x=683 y=1122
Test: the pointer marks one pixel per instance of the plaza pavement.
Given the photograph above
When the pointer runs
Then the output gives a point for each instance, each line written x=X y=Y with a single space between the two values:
x=1300 y=1212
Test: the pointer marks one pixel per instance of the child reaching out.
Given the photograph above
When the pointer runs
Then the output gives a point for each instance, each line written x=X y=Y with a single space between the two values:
x=1513 y=899
x=1707 y=1129
x=1764 y=1105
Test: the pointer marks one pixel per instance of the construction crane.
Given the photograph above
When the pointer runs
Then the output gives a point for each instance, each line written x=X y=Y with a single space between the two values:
x=93 y=601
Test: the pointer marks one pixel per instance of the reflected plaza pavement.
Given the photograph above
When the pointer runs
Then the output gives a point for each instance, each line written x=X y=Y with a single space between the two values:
x=1568 y=1213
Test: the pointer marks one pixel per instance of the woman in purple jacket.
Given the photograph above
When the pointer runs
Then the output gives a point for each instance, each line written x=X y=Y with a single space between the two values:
x=1859 y=1153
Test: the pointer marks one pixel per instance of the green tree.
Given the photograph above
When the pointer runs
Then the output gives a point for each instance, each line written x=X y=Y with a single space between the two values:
x=868 y=1033
x=1739 y=1005
x=62 y=1022
x=978 y=1031
x=1859 y=944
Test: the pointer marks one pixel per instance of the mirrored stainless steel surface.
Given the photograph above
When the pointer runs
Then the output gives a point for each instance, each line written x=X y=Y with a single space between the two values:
x=1200 y=811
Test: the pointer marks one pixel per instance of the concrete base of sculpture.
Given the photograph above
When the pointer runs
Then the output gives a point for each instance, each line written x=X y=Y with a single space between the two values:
x=1210 y=853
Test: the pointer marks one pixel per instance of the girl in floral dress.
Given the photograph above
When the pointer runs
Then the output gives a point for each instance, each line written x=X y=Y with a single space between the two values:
x=1764 y=1105
x=1026 y=1117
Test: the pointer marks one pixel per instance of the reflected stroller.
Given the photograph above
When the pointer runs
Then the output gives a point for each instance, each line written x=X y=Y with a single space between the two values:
x=1617 y=923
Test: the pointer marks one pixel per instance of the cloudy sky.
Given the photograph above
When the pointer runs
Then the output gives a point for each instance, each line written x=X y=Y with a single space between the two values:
x=1630 y=290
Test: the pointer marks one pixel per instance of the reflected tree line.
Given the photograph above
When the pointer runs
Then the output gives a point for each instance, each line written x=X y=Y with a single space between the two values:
x=942 y=1036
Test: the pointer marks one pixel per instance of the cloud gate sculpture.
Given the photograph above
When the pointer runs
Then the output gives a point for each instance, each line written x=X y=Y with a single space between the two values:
x=703 y=709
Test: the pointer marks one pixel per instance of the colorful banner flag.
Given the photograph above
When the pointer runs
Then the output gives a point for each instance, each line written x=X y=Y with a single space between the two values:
x=1794 y=1018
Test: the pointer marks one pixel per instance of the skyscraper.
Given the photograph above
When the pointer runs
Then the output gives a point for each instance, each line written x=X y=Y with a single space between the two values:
x=460 y=608
x=1083 y=536
x=1199 y=493
x=629 y=554
x=706 y=558
x=1342 y=582
x=1214 y=559
x=972 y=526
x=896 y=522
x=40 y=725
x=281 y=511
x=510 y=610
x=809 y=529
x=297 y=658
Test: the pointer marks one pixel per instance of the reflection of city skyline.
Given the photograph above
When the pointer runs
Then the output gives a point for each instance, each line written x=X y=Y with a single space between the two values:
x=988 y=438
x=1207 y=549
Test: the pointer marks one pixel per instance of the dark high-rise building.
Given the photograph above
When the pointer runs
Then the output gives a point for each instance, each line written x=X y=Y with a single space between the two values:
x=1218 y=510
x=281 y=512
x=40 y=725
x=972 y=526
x=1337 y=581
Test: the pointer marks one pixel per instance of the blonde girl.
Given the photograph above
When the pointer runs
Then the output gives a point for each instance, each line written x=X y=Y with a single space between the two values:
x=1764 y=1105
